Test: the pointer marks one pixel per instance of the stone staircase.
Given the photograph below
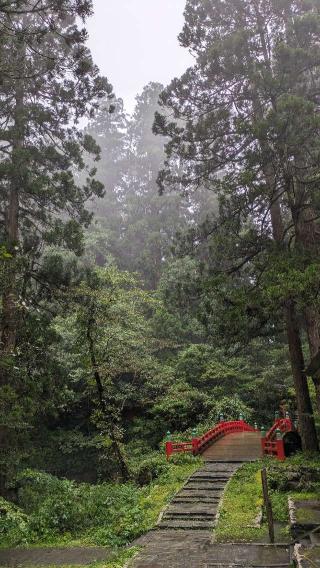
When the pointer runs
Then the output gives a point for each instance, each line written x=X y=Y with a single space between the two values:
x=195 y=506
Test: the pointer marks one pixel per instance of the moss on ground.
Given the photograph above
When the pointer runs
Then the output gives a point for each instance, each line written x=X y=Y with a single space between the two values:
x=241 y=506
x=243 y=500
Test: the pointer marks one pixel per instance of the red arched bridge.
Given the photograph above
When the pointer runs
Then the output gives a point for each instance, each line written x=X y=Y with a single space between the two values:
x=238 y=440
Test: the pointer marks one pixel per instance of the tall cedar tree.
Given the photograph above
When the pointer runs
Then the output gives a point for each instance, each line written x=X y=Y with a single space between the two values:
x=52 y=84
x=134 y=225
x=257 y=63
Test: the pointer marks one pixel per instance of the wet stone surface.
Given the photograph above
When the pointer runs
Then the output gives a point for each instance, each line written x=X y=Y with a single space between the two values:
x=53 y=556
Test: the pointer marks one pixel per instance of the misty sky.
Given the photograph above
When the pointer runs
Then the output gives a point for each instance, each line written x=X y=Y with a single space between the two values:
x=135 y=42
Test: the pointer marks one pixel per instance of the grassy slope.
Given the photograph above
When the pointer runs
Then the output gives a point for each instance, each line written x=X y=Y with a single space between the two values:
x=243 y=501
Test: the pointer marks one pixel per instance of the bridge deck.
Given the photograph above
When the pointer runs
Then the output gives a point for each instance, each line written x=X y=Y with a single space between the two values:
x=244 y=446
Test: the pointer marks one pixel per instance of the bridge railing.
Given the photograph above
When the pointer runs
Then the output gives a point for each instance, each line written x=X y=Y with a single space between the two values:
x=198 y=444
x=272 y=443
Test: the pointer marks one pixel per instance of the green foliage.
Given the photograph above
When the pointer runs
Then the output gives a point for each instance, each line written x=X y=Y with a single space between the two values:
x=241 y=506
x=53 y=510
x=13 y=523
x=150 y=469
x=297 y=477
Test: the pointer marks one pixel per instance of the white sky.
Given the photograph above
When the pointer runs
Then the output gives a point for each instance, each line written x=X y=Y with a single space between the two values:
x=135 y=42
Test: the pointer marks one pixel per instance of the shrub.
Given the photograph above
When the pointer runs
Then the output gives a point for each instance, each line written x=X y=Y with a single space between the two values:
x=108 y=514
x=13 y=524
x=150 y=469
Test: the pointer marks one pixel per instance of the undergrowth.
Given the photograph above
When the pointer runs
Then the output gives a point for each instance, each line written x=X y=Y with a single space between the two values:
x=298 y=477
x=53 y=511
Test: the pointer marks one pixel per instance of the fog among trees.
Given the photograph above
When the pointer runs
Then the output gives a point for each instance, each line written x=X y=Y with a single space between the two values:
x=157 y=269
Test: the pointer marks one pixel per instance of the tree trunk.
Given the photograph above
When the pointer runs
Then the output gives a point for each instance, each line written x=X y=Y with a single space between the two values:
x=9 y=323
x=304 y=406
x=9 y=317
x=305 y=412
x=308 y=239
x=307 y=425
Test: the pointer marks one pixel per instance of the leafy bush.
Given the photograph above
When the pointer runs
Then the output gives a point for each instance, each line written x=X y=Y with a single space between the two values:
x=13 y=523
x=231 y=408
x=54 y=510
x=295 y=475
x=150 y=469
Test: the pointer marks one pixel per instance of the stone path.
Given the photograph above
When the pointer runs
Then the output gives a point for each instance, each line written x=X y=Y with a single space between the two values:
x=53 y=556
x=195 y=549
x=196 y=504
x=183 y=537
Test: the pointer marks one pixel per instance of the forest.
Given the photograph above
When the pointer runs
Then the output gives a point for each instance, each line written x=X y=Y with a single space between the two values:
x=159 y=269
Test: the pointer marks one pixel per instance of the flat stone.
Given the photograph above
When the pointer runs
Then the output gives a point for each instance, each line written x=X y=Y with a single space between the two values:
x=308 y=512
x=190 y=523
x=53 y=556
x=192 y=508
x=190 y=552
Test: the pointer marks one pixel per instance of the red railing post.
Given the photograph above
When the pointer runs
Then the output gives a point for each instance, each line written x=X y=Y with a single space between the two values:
x=169 y=449
x=195 y=444
x=280 y=450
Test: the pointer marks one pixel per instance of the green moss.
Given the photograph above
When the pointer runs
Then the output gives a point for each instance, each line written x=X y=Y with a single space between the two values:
x=243 y=500
x=241 y=506
x=304 y=515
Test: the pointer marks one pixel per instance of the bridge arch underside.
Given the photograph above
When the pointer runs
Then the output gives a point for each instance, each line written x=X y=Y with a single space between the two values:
x=239 y=446
x=292 y=443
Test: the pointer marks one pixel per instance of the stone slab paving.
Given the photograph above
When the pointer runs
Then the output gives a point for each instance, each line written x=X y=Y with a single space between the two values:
x=195 y=549
x=77 y=556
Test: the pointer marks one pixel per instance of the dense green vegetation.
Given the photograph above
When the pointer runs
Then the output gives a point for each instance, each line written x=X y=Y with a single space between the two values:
x=59 y=512
x=127 y=312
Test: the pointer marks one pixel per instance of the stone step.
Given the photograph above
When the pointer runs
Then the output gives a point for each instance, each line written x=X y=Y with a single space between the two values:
x=210 y=479
x=215 y=565
x=212 y=474
x=211 y=490
x=200 y=494
x=195 y=483
x=185 y=549
x=189 y=514
x=185 y=525
x=194 y=509
x=189 y=518
x=196 y=500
